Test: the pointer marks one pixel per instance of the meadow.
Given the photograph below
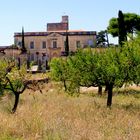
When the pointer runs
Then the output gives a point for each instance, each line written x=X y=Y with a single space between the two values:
x=54 y=115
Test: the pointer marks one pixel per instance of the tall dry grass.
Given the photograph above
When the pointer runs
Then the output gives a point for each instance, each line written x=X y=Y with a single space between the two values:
x=54 y=115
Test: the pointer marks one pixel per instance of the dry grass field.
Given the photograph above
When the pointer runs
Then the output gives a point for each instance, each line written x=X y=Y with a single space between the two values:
x=54 y=115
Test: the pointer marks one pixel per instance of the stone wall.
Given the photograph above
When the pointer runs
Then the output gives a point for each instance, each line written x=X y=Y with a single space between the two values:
x=49 y=51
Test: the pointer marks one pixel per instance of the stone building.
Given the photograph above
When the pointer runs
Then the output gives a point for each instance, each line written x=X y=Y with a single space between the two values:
x=51 y=43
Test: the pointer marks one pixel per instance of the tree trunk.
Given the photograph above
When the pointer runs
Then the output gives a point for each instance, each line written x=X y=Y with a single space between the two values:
x=16 y=102
x=28 y=64
x=109 y=98
x=100 y=90
x=65 y=86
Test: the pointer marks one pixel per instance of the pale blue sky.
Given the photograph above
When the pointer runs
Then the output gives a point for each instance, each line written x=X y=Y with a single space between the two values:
x=91 y=15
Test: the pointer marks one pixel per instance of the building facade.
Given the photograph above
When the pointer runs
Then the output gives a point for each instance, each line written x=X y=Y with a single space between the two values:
x=51 y=43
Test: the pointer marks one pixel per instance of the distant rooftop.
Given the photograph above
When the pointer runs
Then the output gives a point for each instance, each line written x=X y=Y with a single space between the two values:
x=66 y=31
x=70 y=33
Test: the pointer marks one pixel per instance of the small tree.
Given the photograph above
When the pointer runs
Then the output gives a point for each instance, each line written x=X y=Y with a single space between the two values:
x=102 y=38
x=59 y=71
x=15 y=80
x=16 y=83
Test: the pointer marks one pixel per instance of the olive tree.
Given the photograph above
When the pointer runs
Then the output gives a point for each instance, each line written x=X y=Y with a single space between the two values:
x=15 y=80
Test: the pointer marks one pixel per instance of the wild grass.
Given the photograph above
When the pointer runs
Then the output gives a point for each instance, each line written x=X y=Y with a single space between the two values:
x=54 y=115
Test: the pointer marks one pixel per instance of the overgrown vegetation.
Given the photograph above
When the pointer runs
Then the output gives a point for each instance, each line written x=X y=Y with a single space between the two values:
x=54 y=115
x=131 y=24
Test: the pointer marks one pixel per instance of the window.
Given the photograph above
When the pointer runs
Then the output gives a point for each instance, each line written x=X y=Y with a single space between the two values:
x=90 y=43
x=43 y=44
x=78 y=44
x=31 y=45
x=54 y=44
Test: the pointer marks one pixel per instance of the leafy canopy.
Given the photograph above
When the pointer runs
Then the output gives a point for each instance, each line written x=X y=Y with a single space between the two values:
x=131 y=21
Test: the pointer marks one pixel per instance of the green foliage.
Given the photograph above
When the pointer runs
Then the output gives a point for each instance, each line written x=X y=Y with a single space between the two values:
x=17 y=78
x=5 y=68
x=102 y=39
x=131 y=21
x=59 y=70
x=134 y=59
x=111 y=67
x=12 y=79
x=113 y=27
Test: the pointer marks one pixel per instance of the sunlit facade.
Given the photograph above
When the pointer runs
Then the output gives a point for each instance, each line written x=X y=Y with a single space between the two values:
x=51 y=43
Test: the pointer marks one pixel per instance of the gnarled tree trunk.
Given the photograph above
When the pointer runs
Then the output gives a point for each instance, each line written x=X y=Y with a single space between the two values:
x=16 y=102
x=110 y=92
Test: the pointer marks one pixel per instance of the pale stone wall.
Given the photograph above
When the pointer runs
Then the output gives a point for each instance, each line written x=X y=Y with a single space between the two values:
x=54 y=52
x=12 y=52
x=83 y=41
x=55 y=32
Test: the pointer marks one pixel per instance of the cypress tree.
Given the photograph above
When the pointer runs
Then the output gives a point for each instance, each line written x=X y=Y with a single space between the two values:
x=122 y=34
x=23 y=49
x=67 y=44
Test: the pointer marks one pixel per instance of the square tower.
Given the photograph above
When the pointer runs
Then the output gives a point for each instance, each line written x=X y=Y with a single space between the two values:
x=63 y=25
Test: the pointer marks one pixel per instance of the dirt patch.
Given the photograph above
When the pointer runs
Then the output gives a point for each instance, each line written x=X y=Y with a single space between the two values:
x=88 y=89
